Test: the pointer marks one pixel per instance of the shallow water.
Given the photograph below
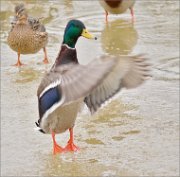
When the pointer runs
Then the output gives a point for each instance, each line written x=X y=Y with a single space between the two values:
x=137 y=134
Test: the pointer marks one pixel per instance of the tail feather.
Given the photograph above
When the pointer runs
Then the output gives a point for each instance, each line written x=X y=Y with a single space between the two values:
x=38 y=128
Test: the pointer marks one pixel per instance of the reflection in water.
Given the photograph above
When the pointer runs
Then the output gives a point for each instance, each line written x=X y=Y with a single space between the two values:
x=56 y=166
x=93 y=141
x=26 y=75
x=68 y=167
x=119 y=37
x=114 y=110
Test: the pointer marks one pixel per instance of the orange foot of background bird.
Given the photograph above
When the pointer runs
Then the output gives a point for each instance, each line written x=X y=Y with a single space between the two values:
x=106 y=16
x=18 y=64
x=18 y=61
x=70 y=145
x=132 y=14
x=45 y=61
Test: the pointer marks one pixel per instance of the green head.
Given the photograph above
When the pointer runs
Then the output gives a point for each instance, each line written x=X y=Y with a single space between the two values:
x=73 y=31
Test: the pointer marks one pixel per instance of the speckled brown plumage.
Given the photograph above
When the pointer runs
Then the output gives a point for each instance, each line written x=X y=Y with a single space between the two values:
x=27 y=35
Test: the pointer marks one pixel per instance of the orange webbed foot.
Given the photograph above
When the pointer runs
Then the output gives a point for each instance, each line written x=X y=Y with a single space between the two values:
x=132 y=15
x=18 y=60
x=106 y=12
x=71 y=147
x=45 y=61
x=18 y=64
x=57 y=149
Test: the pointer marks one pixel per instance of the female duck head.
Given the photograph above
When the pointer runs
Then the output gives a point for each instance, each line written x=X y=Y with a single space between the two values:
x=73 y=31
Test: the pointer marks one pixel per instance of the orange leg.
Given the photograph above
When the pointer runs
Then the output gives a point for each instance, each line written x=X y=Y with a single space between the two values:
x=106 y=16
x=56 y=148
x=18 y=61
x=132 y=13
x=70 y=145
x=45 y=61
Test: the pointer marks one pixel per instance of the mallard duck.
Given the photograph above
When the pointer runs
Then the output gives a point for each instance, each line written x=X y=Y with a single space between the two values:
x=27 y=35
x=68 y=85
x=117 y=6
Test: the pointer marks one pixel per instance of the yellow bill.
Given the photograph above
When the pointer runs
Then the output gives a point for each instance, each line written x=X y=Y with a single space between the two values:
x=87 y=35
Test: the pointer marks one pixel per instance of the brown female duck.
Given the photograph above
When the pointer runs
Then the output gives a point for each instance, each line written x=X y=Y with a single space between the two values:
x=27 y=35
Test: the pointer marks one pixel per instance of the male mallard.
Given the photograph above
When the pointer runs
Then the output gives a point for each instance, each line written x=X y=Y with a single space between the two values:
x=27 y=34
x=63 y=90
x=117 y=6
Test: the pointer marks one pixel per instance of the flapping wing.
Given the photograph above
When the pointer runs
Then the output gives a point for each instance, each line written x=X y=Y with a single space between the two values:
x=81 y=80
x=70 y=82
x=129 y=72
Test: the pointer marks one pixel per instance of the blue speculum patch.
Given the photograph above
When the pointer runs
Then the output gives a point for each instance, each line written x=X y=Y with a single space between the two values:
x=48 y=99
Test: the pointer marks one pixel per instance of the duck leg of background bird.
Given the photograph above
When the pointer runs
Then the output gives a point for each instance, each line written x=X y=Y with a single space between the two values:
x=71 y=146
x=18 y=62
x=132 y=13
x=56 y=148
x=106 y=15
x=45 y=61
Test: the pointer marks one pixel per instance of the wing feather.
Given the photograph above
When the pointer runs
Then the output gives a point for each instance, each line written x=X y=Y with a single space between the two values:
x=83 y=79
x=76 y=81
x=98 y=81
x=129 y=72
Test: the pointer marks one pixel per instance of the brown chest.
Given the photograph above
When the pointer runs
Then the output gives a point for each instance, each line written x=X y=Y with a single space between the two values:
x=113 y=3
